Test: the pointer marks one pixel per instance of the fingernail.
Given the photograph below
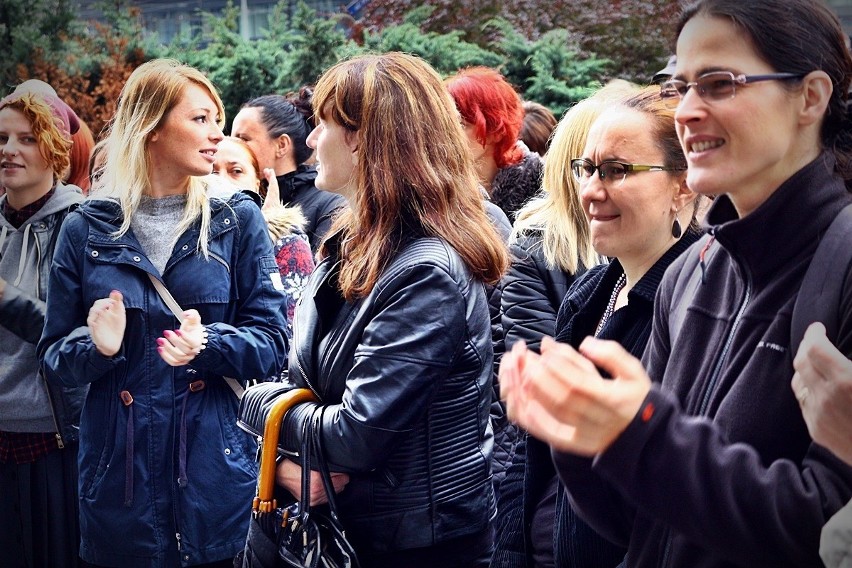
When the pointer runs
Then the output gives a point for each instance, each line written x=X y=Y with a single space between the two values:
x=160 y=341
x=178 y=332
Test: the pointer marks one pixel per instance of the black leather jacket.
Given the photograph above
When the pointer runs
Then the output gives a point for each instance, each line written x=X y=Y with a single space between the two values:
x=406 y=375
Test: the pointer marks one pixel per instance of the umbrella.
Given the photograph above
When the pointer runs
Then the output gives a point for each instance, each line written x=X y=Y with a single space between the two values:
x=295 y=535
x=266 y=403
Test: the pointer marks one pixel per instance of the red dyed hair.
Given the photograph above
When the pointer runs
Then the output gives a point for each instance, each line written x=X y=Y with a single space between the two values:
x=487 y=101
x=82 y=143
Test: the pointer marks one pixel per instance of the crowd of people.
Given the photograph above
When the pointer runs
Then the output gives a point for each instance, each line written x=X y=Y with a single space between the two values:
x=531 y=342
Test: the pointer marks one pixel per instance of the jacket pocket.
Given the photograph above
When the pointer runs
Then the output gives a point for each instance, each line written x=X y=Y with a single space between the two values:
x=98 y=435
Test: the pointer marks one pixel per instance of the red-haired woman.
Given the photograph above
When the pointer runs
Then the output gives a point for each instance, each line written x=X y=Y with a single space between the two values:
x=39 y=423
x=492 y=115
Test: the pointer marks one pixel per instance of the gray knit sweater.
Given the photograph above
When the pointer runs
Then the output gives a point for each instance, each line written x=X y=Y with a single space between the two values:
x=154 y=225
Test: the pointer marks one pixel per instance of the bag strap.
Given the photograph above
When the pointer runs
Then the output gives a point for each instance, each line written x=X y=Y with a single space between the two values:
x=175 y=308
x=819 y=296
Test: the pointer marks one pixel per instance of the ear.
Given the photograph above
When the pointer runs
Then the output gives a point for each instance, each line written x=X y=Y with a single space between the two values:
x=283 y=145
x=155 y=135
x=816 y=93
x=683 y=195
x=352 y=144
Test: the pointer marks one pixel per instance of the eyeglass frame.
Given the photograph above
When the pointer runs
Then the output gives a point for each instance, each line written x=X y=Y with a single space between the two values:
x=704 y=94
x=628 y=168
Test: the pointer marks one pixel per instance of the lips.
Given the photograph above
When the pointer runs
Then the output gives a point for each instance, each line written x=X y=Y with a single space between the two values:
x=10 y=165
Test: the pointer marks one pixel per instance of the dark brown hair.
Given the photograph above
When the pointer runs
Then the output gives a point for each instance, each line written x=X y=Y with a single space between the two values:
x=797 y=36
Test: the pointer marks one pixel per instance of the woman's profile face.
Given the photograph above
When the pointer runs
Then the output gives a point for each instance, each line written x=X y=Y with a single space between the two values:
x=185 y=143
x=337 y=157
x=745 y=146
x=248 y=126
x=233 y=162
x=630 y=216
x=22 y=167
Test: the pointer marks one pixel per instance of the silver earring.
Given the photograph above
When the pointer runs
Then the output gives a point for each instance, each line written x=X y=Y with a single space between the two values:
x=676 y=229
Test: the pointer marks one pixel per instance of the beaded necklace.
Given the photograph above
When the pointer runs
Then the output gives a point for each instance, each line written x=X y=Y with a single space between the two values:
x=610 y=307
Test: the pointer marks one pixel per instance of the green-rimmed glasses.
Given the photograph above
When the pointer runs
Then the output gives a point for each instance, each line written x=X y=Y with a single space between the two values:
x=715 y=86
x=611 y=171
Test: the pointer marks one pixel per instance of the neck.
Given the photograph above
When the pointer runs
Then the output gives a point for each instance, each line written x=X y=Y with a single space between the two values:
x=636 y=266
x=747 y=201
x=284 y=166
x=164 y=185
x=20 y=198
x=487 y=170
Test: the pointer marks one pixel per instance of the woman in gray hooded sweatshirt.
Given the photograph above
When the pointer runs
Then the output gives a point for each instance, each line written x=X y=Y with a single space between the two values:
x=38 y=423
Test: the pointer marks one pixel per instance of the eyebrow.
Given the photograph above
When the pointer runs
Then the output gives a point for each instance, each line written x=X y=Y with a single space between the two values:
x=705 y=70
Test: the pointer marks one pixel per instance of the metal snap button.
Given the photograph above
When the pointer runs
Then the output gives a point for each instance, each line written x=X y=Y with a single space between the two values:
x=227 y=221
x=227 y=451
x=184 y=247
x=136 y=259
x=95 y=253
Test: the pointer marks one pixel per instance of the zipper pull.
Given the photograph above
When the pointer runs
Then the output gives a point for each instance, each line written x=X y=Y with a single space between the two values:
x=177 y=536
x=59 y=443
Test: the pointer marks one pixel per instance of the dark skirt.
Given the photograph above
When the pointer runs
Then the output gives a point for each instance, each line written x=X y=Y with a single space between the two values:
x=39 y=512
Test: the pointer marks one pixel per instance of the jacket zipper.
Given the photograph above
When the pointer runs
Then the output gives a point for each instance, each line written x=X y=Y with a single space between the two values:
x=60 y=443
x=714 y=377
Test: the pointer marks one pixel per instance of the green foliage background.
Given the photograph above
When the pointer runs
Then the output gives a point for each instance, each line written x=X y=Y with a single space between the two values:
x=45 y=38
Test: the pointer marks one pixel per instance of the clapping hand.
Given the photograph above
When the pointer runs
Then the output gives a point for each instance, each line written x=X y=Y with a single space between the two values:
x=181 y=346
x=560 y=397
x=107 y=321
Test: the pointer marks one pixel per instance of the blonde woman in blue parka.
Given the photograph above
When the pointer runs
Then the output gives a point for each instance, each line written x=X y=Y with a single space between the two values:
x=166 y=478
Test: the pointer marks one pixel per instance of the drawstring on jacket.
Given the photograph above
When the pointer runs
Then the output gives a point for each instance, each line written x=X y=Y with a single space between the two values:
x=22 y=262
x=701 y=255
x=127 y=399
x=195 y=386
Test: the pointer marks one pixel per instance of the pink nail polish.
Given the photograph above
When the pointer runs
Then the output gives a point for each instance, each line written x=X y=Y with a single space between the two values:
x=178 y=333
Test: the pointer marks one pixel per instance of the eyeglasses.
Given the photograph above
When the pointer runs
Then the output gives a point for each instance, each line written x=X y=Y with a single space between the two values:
x=716 y=86
x=611 y=171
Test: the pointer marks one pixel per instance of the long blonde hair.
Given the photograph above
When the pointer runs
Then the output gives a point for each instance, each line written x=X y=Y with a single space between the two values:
x=557 y=212
x=150 y=93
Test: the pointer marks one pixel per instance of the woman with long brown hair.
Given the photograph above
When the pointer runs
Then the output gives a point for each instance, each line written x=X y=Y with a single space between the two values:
x=393 y=332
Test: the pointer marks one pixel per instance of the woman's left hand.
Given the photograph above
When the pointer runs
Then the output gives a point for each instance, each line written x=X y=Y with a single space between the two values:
x=560 y=397
x=181 y=346
x=288 y=475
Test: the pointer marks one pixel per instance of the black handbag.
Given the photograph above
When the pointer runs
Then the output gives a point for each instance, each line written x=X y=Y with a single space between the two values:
x=298 y=535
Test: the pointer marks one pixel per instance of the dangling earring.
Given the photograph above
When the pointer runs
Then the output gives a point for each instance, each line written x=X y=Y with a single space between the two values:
x=676 y=229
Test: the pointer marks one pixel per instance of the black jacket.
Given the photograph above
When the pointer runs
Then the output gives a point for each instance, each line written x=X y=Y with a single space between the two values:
x=406 y=375
x=718 y=468
x=575 y=543
x=319 y=207
x=514 y=185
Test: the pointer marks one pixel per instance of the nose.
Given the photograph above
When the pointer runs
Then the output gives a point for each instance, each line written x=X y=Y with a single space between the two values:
x=216 y=133
x=9 y=148
x=592 y=189
x=691 y=107
x=311 y=141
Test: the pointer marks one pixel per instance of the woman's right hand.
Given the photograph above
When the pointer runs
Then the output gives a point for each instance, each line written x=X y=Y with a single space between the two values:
x=289 y=476
x=273 y=194
x=107 y=321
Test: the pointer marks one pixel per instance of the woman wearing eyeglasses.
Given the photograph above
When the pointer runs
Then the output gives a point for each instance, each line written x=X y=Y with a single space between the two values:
x=704 y=451
x=631 y=181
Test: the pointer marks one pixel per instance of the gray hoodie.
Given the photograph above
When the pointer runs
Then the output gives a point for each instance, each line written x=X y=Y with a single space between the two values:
x=25 y=257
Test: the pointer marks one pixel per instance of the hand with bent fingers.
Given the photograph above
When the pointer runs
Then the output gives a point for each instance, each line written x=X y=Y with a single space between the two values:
x=823 y=385
x=288 y=475
x=107 y=321
x=181 y=346
x=560 y=397
x=273 y=194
